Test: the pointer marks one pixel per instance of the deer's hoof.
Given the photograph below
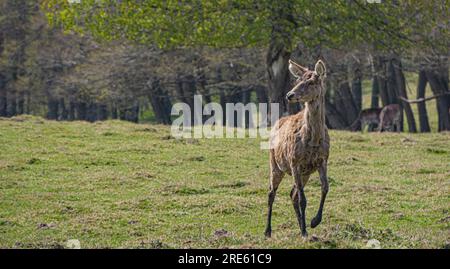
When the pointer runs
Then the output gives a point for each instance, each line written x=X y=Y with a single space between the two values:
x=304 y=234
x=268 y=234
x=315 y=221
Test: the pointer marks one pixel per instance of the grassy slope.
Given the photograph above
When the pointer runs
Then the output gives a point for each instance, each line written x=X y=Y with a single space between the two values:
x=116 y=184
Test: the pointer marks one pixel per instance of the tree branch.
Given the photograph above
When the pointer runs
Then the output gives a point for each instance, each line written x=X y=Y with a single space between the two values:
x=420 y=100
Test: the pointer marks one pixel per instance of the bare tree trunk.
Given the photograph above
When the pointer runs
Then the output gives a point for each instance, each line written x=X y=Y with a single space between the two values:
x=135 y=112
x=392 y=87
x=333 y=116
x=278 y=75
x=81 y=110
x=277 y=57
x=422 y=108
x=3 y=99
x=357 y=89
x=261 y=94
x=64 y=115
x=160 y=101
x=52 y=108
x=374 y=102
x=201 y=87
x=114 y=113
x=380 y=75
x=245 y=99
x=72 y=109
x=345 y=103
x=439 y=84
x=91 y=114
x=102 y=112
x=12 y=103
x=21 y=103
x=401 y=86
x=28 y=101
x=186 y=90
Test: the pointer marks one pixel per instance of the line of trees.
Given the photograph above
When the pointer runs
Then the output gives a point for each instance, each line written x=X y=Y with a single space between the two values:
x=93 y=61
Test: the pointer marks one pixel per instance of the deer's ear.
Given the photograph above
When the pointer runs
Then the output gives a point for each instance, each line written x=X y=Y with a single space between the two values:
x=320 y=68
x=296 y=69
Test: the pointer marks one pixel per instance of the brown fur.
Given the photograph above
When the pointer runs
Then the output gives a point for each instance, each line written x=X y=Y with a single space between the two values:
x=370 y=117
x=390 y=118
x=300 y=143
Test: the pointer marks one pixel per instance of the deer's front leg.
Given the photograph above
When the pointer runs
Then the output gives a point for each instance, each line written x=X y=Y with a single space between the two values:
x=275 y=179
x=324 y=184
x=302 y=202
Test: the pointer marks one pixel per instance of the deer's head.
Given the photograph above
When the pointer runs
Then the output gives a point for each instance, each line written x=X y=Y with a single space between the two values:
x=308 y=85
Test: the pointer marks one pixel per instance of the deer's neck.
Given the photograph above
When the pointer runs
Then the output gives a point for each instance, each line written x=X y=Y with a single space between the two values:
x=314 y=121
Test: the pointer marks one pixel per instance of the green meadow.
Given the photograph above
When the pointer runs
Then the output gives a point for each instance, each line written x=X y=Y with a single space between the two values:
x=121 y=185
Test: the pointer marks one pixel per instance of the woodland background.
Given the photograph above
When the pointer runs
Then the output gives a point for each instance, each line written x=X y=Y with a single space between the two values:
x=91 y=61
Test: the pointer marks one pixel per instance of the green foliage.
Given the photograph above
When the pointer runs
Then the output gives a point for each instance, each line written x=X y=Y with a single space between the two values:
x=225 y=23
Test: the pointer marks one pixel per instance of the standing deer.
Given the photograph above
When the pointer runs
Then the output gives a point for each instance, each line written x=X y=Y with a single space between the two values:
x=369 y=117
x=300 y=143
x=390 y=118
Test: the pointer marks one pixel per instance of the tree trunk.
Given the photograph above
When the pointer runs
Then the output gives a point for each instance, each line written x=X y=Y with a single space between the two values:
x=277 y=61
x=21 y=103
x=201 y=87
x=114 y=112
x=401 y=86
x=3 y=97
x=52 y=108
x=28 y=100
x=186 y=90
x=64 y=115
x=102 y=112
x=380 y=75
x=392 y=88
x=72 y=109
x=345 y=104
x=135 y=113
x=3 y=100
x=391 y=83
x=421 y=106
x=438 y=80
x=374 y=102
x=333 y=116
x=130 y=113
x=91 y=114
x=245 y=99
x=160 y=101
x=81 y=110
x=12 y=103
x=357 y=90
x=261 y=94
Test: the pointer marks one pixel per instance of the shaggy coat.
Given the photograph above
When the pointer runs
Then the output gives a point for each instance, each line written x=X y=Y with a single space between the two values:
x=391 y=118
x=370 y=117
x=300 y=143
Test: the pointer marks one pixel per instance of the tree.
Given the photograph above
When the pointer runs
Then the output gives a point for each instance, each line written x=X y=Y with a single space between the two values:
x=276 y=25
x=14 y=39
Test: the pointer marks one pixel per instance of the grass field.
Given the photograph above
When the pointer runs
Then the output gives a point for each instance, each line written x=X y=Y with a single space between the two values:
x=121 y=185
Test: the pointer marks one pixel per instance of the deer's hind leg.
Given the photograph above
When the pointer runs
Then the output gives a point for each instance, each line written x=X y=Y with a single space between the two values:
x=276 y=175
x=324 y=184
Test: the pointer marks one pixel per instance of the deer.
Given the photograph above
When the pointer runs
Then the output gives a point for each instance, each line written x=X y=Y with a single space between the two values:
x=299 y=144
x=390 y=118
x=369 y=117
